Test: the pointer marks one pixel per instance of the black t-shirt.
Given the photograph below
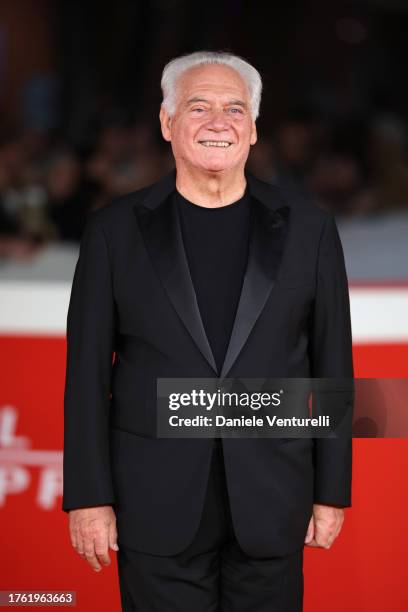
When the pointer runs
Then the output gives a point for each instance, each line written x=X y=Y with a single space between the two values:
x=216 y=245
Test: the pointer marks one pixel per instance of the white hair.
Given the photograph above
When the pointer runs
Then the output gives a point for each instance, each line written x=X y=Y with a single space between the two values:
x=175 y=68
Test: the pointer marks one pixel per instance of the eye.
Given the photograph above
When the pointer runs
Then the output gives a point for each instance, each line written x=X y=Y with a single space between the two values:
x=234 y=110
x=198 y=110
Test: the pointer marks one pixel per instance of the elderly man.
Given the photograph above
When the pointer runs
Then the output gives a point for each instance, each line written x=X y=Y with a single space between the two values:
x=207 y=273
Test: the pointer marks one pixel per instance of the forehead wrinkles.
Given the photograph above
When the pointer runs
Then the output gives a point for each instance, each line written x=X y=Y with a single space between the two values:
x=193 y=85
x=213 y=98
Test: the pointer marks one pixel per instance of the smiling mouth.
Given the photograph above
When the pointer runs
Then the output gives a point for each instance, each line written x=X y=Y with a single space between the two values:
x=215 y=143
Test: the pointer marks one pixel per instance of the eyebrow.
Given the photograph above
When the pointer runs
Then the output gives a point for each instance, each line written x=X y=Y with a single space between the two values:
x=234 y=101
x=238 y=103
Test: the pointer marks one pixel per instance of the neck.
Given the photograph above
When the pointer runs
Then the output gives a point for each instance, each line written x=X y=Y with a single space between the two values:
x=211 y=189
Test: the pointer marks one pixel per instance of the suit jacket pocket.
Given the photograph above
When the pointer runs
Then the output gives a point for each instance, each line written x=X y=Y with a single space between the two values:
x=129 y=396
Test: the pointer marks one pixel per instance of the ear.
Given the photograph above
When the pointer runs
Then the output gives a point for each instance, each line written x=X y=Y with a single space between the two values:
x=165 y=122
x=254 y=135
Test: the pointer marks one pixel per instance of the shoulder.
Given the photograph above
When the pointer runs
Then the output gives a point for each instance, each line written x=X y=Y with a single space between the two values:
x=118 y=208
x=303 y=206
x=118 y=215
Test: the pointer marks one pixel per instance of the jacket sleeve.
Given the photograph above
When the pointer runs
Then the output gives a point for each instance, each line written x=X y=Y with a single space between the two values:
x=90 y=344
x=331 y=357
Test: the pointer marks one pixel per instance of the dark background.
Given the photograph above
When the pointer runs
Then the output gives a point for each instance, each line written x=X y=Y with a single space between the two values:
x=80 y=96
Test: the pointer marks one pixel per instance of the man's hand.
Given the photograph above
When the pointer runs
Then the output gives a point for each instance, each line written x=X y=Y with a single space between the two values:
x=324 y=526
x=93 y=531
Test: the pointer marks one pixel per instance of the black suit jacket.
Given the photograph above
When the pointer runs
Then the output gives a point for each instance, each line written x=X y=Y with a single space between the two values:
x=132 y=296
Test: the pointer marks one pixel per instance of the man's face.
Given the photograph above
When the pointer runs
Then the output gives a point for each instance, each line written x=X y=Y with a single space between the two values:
x=212 y=128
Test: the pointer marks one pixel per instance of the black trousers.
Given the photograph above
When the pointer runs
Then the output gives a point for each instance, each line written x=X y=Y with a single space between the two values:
x=213 y=573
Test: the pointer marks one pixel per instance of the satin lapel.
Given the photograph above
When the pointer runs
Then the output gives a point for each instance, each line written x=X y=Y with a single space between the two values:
x=266 y=245
x=161 y=231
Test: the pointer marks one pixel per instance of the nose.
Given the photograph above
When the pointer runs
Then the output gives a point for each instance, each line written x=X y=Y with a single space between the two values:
x=218 y=121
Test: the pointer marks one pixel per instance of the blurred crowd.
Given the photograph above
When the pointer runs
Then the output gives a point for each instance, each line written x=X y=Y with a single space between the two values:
x=47 y=188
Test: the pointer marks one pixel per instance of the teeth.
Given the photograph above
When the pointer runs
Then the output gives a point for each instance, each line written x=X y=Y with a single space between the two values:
x=215 y=143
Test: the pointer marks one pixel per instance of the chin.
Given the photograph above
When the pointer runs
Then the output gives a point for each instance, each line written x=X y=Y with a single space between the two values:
x=215 y=168
x=216 y=165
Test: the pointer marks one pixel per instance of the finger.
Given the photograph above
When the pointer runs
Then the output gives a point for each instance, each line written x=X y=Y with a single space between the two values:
x=310 y=531
x=337 y=531
x=76 y=541
x=113 y=536
x=80 y=545
x=312 y=543
x=73 y=537
x=101 y=547
x=322 y=538
x=323 y=542
x=317 y=544
x=337 y=527
x=325 y=531
x=340 y=525
x=90 y=555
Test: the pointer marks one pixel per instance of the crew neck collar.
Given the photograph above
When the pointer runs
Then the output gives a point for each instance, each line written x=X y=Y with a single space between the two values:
x=185 y=202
